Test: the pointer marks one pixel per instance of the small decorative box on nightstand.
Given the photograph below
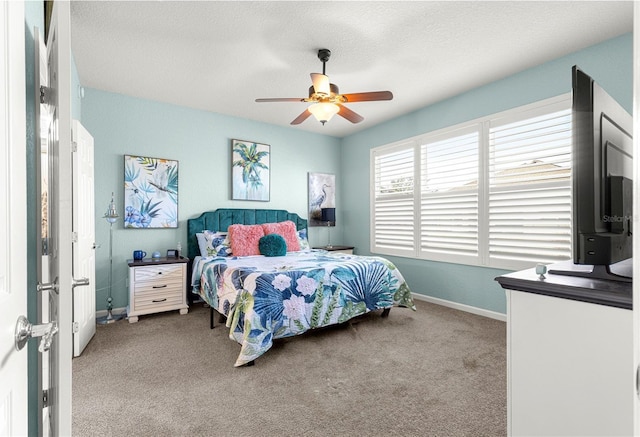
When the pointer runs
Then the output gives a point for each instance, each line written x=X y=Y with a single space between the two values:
x=341 y=249
x=157 y=285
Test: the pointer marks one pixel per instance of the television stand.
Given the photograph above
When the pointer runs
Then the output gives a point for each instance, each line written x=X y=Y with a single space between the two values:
x=568 y=355
x=621 y=271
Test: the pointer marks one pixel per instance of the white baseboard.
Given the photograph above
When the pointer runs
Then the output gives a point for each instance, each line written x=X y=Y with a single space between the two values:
x=462 y=307
x=115 y=311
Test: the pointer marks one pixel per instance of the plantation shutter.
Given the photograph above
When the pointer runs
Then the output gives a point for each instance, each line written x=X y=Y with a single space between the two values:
x=529 y=188
x=393 y=225
x=449 y=197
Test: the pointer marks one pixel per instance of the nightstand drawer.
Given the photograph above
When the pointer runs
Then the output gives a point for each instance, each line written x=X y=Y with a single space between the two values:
x=157 y=300
x=157 y=273
x=158 y=286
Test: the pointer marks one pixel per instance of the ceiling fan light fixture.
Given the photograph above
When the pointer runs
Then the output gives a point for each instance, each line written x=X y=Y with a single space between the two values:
x=323 y=111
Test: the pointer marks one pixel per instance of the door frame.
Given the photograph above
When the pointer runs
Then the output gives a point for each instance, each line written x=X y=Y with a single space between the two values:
x=61 y=200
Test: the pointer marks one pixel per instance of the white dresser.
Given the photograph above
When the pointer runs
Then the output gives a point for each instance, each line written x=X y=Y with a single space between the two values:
x=569 y=356
x=156 y=286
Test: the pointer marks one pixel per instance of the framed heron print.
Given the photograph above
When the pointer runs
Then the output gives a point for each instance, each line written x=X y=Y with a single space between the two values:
x=150 y=192
x=250 y=170
x=322 y=194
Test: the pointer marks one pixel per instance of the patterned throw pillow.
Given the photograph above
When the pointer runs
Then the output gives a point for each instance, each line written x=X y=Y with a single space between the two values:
x=303 y=240
x=272 y=245
x=213 y=243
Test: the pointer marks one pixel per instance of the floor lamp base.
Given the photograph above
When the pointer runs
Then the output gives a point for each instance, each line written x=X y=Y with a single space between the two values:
x=109 y=318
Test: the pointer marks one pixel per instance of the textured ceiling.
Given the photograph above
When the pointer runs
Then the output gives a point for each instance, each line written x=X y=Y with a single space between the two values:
x=220 y=56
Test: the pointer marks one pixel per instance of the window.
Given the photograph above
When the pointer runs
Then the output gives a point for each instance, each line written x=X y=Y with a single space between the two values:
x=493 y=192
x=393 y=213
x=449 y=200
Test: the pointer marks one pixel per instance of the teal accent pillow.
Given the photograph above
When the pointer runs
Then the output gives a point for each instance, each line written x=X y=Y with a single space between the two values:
x=272 y=245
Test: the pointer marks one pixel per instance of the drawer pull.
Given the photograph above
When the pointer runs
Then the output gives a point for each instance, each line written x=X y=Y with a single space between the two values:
x=159 y=300
x=160 y=286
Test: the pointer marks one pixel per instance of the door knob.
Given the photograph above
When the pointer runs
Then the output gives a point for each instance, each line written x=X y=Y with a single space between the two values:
x=25 y=331
x=638 y=382
x=79 y=282
x=49 y=286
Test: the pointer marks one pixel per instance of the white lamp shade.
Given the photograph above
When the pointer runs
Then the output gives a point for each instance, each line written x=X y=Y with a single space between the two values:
x=321 y=84
x=324 y=111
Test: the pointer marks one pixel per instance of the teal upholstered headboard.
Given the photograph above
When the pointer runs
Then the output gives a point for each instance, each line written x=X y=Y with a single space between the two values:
x=221 y=219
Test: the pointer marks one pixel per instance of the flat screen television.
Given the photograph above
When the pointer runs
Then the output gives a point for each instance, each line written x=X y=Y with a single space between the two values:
x=602 y=192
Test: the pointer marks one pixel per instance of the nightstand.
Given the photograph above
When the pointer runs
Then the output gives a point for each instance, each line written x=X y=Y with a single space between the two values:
x=156 y=285
x=340 y=249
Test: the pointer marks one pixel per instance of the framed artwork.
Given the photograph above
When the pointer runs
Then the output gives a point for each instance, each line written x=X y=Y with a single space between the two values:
x=322 y=194
x=150 y=192
x=250 y=170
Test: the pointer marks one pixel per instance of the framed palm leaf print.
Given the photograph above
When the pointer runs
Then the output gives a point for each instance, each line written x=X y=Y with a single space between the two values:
x=150 y=192
x=250 y=170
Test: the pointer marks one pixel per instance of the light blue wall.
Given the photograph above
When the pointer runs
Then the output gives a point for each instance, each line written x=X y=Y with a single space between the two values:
x=200 y=141
x=609 y=63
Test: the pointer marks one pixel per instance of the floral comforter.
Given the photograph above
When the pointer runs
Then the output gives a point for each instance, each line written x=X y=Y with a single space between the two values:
x=274 y=297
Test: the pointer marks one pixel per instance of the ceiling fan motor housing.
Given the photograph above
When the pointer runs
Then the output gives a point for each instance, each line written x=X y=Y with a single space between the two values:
x=324 y=55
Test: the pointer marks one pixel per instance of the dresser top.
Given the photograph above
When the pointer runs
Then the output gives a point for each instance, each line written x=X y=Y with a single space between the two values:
x=155 y=261
x=559 y=282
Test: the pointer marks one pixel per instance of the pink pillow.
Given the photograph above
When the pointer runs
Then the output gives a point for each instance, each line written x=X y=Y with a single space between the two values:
x=287 y=230
x=244 y=239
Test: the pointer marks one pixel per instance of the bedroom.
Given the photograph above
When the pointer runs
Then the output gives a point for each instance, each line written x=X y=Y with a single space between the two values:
x=150 y=127
x=199 y=140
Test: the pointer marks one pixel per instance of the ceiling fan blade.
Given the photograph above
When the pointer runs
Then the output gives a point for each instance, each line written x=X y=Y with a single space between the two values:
x=283 y=99
x=349 y=114
x=302 y=117
x=321 y=84
x=368 y=97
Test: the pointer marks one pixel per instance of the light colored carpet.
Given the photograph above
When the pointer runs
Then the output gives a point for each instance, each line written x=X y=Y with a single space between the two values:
x=433 y=372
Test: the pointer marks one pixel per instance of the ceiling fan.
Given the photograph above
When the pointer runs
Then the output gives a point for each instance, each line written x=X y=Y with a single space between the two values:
x=326 y=98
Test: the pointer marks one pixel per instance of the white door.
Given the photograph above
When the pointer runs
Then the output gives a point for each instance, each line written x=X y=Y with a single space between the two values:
x=13 y=219
x=84 y=261
x=636 y=210
x=60 y=219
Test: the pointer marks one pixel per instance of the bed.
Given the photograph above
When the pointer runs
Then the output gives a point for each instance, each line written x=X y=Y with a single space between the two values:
x=265 y=296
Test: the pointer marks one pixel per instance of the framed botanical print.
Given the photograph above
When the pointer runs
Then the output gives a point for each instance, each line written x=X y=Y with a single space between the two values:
x=150 y=192
x=250 y=170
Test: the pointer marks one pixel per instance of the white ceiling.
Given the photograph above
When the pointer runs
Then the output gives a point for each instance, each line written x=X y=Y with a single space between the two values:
x=220 y=56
